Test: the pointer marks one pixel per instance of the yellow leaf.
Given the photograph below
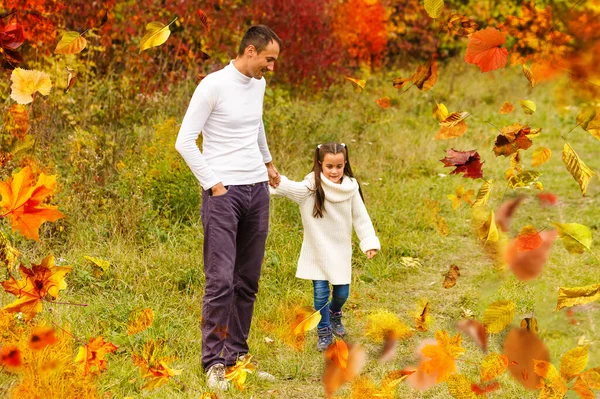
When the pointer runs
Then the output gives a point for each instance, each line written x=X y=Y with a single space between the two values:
x=540 y=156
x=553 y=387
x=528 y=106
x=484 y=193
x=528 y=74
x=442 y=356
x=586 y=116
x=156 y=34
x=489 y=231
x=382 y=325
x=572 y=296
x=592 y=378
x=139 y=321
x=70 y=43
x=574 y=362
x=498 y=315
x=577 y=168
x=492 y=366
x=453 y=126
x=359 y=84
x=434 y=8
x=460 y=387
x=306 y=319
x=523 y=179
x=530 y=324
x=576 y=237
x=101 y=263
x=8 y=254
x=461 y=195
x=26 y=83
x=239 y=371
x=440 y=112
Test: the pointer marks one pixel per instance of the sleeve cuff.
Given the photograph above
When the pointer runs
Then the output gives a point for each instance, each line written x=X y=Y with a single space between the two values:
x=370 y=243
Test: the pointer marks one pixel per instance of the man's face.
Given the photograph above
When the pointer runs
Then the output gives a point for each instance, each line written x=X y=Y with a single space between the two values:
x=263 y=62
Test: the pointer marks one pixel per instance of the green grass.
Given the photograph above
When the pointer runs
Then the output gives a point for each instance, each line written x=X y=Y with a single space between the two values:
x=156 y=256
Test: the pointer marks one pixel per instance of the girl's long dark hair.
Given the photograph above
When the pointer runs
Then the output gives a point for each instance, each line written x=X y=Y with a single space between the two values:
x=320 y=152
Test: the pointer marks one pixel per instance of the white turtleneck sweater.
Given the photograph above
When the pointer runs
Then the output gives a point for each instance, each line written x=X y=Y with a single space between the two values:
x=326 y=252
x=227 y=108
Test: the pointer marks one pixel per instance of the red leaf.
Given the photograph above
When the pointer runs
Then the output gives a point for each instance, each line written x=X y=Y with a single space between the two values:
x=467 y=162
x=483 y=50
x=547 y=199
x=10 y=355
x=11 y=36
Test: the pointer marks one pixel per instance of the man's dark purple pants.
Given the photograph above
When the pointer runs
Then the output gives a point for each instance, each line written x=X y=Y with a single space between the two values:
x=235 y=232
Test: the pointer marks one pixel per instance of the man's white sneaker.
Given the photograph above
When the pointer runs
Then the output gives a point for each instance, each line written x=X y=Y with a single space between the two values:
x=215 y=377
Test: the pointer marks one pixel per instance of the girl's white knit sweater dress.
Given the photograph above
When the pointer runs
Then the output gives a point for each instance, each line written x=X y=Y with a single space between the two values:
x=326 y=252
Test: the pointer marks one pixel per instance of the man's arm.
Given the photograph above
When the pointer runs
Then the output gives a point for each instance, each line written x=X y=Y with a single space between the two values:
x=274 y=177
x=193 y=122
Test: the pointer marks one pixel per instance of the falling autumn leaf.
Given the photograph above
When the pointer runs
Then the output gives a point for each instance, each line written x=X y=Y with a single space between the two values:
x=572 y=296
x=552 y=384
x=238 y=372
x=434 y=8
x=42 y=280
x=156 y=34
x=358 y=84
x=10 y=356
x=483 y=50
x=139 y=321
x=26 y=83
x=338 y=352
x=513 y=138
x=334 y=377
x=440 y=112
x=467 y=162
x=492 y=366
x=460 y=387
x=422 y=316
x=488 y=232
x=528 y=239
x=528 y=265
x=577 y=168
x=91 y=356
x=484 y=193
x=22 y=202
x=424 y=78
x=528 y=74
x=453 y=126
x=576 y=237
x=42 y=336
x=384 y=102
x=506 y=108
x=71 y=43
x=574 y=362
x=547 y=199
x=11 y=36
x=524 y=179
x=528 y=106
x=522 y=347
x=440 y=358
x=475 y=330
x=306 y=319
x=71 y=78
x=461 y=25
x=461 y=195
x=451 y=277
x=154 y=368
x=586 y=115
x=540 y=156
x=498 y=316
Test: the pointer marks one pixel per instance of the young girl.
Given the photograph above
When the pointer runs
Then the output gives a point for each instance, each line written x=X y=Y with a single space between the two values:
x=331 y=203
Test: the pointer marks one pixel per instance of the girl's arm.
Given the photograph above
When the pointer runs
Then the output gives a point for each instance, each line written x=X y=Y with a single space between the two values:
x=297 y=191
x=363 y=225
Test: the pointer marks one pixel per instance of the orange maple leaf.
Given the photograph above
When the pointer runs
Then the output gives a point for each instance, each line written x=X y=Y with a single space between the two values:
x=91 y=356
x=483 y=50
x=35 y=284
x=442 y=356
x=22 y=202
x=152 y=367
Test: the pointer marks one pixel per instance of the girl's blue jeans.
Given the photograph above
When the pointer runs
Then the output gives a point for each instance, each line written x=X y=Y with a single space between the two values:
x=321 y=296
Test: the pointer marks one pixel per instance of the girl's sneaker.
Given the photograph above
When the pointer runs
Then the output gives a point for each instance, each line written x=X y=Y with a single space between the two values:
x=336 y=324
x=325 y=338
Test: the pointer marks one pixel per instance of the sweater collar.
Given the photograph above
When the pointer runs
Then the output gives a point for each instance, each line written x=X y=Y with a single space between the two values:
x=237 y=75
x=335 y=192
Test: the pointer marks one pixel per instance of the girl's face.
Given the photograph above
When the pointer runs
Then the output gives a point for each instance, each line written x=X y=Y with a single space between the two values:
x=333 y=166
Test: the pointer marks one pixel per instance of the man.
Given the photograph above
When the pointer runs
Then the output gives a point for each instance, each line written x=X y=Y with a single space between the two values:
x=233 y=170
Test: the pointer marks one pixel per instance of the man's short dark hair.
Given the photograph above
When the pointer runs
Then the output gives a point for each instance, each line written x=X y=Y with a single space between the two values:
x=259 y=36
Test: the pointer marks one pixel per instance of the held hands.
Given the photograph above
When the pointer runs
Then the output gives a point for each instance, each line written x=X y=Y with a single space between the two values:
x=371 y=253
x=274 y=176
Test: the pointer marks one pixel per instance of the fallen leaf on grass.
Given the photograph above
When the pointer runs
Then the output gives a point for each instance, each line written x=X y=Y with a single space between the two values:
x=451 y=276
x=384 y=102
x=140 y=320
x=91 y=356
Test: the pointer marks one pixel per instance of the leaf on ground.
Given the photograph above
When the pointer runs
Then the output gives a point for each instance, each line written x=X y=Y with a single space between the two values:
x=506 y=108
x=434 y=8
x=154 y=367
x=540 y=156
x=156 y=34
x=498 y=316
x=492 y=366
x=573 y=362
x=529 y=264
x=71 y=43
x=484 y=193
x=440 y=358
x=9 y=255
x=357 y=84
x=521 y=347
x=383 y=325
x=23 y=202
x=488 y=232
x=139 y=321
x=475 y=330
x=467 y=162
x=572 y=296
x=306 y=319
x=26 y=83
x=91 y=356
x=461 y=25
x=42 y=280
x=528 y=239
x=16 y=121
x=101 y=263
x=484 y=50
x=575 y=237
x=451 y=276
x=505 y=212
x=459 y=386
x=422 y=316
x=528 y=106
x=577 y=168
x=42 y=336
